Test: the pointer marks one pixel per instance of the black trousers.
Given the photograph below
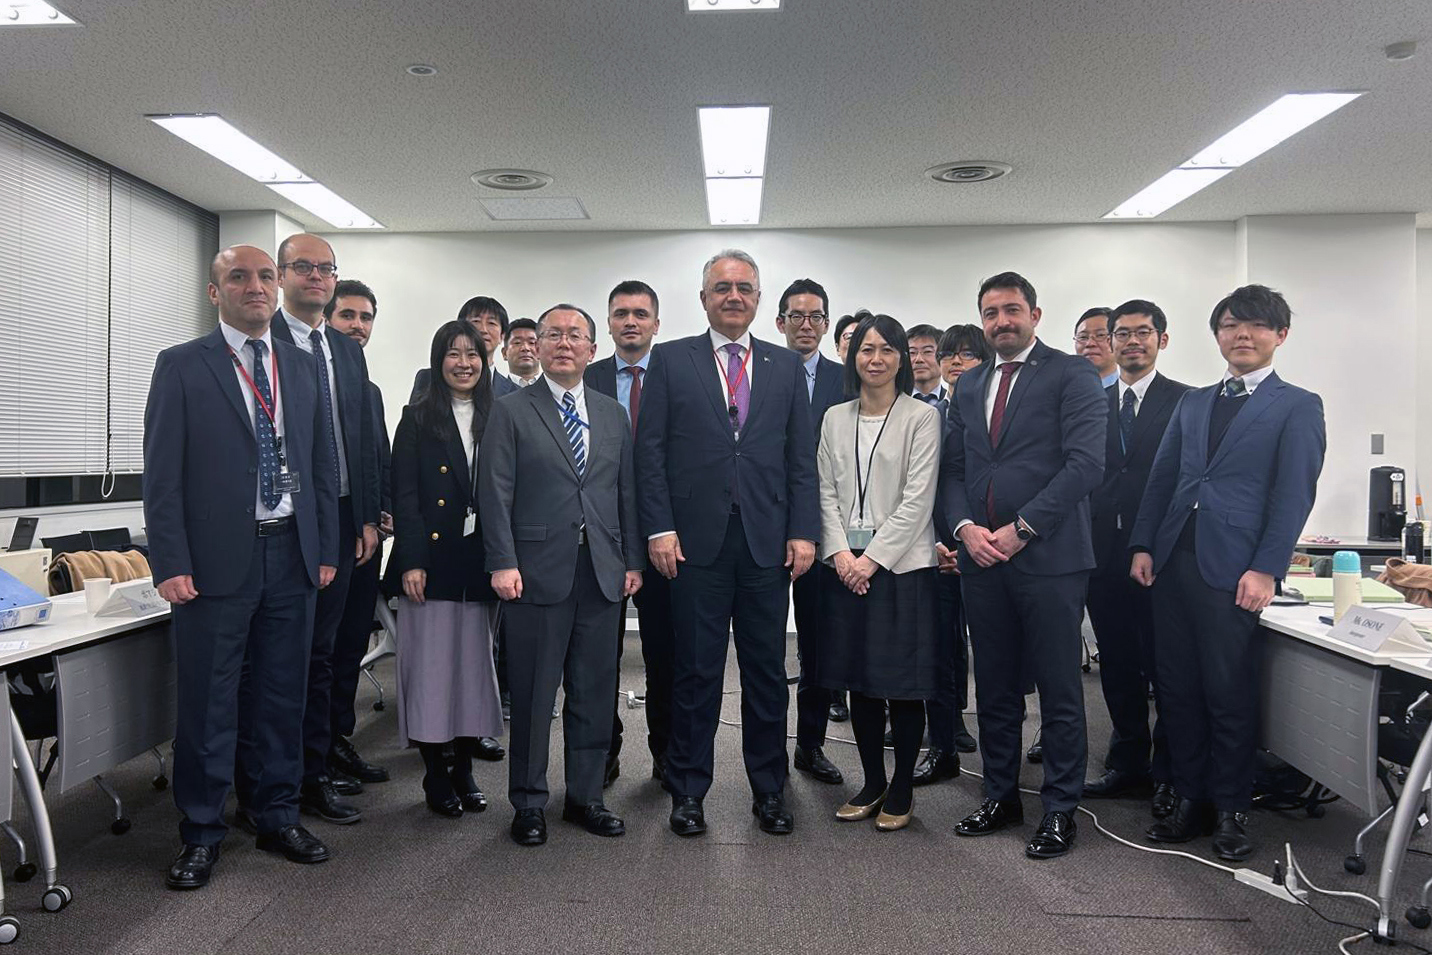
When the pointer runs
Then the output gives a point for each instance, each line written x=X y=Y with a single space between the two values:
x=350 y=645
x=332 y=601
x=1121 y=613
x=264 y=628
x=1027 y=624
x=731 y=595
x=944 y=709
x=1209 y=655
x=567 y=644
x=653 y=608
x=812 y=701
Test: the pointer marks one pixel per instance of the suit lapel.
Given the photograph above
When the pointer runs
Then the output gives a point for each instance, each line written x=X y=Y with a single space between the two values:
x=456 y=454
x=1201 y=420
x=539 y=395
x=703 y=363
x=1155 y=400
x=1115 y=442
x=221 y=363
x=975 y=417
x=1258 y=402
x=278 y=328
x=762 y=367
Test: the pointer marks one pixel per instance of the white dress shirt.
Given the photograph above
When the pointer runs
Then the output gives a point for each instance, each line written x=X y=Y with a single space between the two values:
x=1252 y=380
x=462 y=411
x=521 y=382
x=236 y=341
x=1139 y=388
x=993 y=383
x=579 y=395
x=300 y=331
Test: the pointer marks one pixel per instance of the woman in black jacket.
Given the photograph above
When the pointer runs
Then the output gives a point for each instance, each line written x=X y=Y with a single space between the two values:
x=447 y=686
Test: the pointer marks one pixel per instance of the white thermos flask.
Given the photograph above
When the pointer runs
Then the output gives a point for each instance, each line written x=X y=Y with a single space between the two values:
x=1347 y=582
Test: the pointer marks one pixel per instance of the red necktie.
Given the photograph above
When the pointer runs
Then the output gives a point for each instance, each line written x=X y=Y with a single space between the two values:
x=996 y=419
x=634 y=399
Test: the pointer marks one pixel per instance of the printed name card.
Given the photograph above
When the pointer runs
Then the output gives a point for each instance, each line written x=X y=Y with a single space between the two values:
x=136 y=598
x=1372 y=630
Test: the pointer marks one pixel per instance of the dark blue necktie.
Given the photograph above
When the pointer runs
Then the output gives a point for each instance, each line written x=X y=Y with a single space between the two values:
x=933 y=398
x=1126 y=419
x=325 y=392
x=573 y=426
x=263 y=430
x=1235 y=388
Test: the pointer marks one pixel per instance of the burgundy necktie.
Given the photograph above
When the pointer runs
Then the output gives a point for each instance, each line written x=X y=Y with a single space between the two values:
x=996 y=419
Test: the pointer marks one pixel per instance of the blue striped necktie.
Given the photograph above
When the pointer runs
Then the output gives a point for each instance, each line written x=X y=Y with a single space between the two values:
x=573 y=426
x=263 y=429
x=325 y=394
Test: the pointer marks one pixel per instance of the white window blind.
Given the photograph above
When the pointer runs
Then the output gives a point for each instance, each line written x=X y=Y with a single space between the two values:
x=161 y=253
x=54 y=299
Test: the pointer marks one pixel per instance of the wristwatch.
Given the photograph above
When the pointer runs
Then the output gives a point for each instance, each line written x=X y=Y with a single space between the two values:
x=1022 y=530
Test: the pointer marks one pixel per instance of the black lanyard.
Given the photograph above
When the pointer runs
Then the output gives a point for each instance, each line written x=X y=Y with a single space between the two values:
x=860 y=485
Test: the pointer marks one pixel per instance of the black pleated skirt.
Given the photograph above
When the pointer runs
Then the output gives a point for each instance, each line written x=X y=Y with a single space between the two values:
x=885 y=644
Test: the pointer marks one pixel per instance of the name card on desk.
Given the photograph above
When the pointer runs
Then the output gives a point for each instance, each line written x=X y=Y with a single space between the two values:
x=1374 y=630
x=136 y=598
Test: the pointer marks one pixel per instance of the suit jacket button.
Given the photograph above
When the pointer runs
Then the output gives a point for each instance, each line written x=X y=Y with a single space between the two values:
x=442 y=469
x=1123 y=470
x=442 y=503
x=435 y=535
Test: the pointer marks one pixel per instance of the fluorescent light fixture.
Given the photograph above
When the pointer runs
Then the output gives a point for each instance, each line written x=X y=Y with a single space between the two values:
x=733 y=140
x=1253 y=137
x=726 y=6
x=326 y=204
x=1168 y=190
x=32 y=13
x=733 y=201
x=214 y=135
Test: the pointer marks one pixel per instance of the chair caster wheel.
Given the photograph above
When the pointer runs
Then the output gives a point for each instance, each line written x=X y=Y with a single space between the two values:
x=26 y=872
x=1085 y=667
x=1355 y=865
x=380 y=706
x=56 y=897
x=120 y=826
x=1418 y=917
x=9 y=929
x=161 y=783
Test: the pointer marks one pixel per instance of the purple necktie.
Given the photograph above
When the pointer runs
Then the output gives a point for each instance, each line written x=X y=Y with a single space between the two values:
x=738 y=388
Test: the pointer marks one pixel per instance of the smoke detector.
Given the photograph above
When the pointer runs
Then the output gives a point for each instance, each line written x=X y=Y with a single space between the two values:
x=976 y=170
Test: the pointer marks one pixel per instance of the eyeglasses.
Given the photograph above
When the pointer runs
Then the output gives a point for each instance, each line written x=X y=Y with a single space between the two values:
x=927 y=352
x=965 y=355
x=744 y=289
x=1084 y=338
x=816 y=319
x=305 y=268
x=571 y=338
x=1144 y=334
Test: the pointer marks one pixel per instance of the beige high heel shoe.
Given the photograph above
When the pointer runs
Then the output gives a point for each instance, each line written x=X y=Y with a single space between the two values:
x=850 y=812
x=885 y=822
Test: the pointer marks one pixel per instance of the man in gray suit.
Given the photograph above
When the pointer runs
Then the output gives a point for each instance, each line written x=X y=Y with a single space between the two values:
x=563 y=554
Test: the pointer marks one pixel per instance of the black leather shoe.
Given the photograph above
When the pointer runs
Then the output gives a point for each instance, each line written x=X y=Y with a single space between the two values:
x=449 y=806
x=770 y=810
x=466 y=791
x=1230 y=838
x=1189 y=820
x=246 y=820
x=814 y=763
x=687 y=816
x=1165 y=798
x=614 y=769
x=936 y=765
x=529 y=827
x=595 y=818
x=316 y=797
x=1114 y=783
x=489 y=749
x=192 y=868
x=964 y=742
x=1053 y=838
x=1036 y=750
x=992 y=816
x=344 y=784
x=294 y=843
x=345 y=758
x=839 y=709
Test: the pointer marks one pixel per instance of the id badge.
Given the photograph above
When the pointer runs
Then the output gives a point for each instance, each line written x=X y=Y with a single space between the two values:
x=286 y=482
x=469 y=524
x=859 y=538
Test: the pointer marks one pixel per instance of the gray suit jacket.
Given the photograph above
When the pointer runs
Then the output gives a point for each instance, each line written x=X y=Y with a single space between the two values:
x=536 y=530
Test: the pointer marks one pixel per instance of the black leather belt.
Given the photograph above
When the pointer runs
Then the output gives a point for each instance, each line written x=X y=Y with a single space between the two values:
x=273 y=526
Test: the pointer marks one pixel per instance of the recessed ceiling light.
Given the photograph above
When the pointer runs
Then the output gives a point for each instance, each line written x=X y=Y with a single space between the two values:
x=213 y=134
x=421 y=69
x=1248 y=140
x=733 y=140
x=727 y=6
x=512 y=180
x=326 y=204
x=733 y=201
x=1398 y=52
x=979 y=170
x=32 y=13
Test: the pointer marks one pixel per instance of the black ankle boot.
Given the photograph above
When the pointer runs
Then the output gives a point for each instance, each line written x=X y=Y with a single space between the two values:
x=465 y=787
x=437 y=781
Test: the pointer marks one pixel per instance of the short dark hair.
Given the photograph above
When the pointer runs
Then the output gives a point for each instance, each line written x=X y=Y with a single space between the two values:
x=518 y=325
x=958 y=338
x=894 y=334
x=845 y=322
x=483 y=305
x=635 y=287
x=1098 y=311
x=923 y=331
x=567 y=307
x=1007 y=280
x=350 y=287
x=1254 y=303
x=433 y=409
x=1140 y=306
x=804 y=287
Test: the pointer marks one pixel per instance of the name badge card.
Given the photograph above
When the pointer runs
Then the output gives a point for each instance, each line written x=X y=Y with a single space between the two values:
x=1373 y=630
x=133 y=598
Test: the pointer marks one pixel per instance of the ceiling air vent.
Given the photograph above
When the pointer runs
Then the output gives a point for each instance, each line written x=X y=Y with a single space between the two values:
x=512 y=180
x=970 y=171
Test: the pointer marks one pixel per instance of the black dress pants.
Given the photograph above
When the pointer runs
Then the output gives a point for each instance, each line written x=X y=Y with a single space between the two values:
x=944 y=710
x=332 y=601
x=350 y=646
x=1121 y=613
x=653 y=608
x=263 y=628
x=812 y=701
x=733 y=595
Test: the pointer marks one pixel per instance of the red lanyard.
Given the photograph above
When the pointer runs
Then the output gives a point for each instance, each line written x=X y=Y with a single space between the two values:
x=273 y=360
x=731 y=389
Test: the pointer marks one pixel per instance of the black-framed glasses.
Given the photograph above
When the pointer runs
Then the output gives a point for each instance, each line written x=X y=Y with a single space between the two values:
x=1122 y=335
x=574 y=339
x=306 y=268
x=816 y=319
x=964 y=355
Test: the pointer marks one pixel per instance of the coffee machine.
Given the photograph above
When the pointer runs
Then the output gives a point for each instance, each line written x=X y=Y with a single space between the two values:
x=1386 y=504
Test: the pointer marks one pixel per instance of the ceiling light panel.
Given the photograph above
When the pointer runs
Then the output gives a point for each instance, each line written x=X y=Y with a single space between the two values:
x=214 y=135
x=734 y=201
x=733 y=140
x=1252 y=138
x=32 y=13
x=730 y=6
x=1165 y=192
x=326 y=204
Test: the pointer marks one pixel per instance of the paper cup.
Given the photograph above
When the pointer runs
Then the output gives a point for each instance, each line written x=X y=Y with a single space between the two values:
x=96 y=593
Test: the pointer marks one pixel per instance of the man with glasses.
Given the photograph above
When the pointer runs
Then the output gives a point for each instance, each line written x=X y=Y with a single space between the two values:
x=1140 y=405
x=803 y=318
x=562 y=553
x=1091 y=340
x=308 y=273
x=925 y=363
x=728 y=500
x=844 y=329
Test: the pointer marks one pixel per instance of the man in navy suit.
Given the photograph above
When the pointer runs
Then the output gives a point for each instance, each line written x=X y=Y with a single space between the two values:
x=633 y=321
x=1028 y=432
x=308 y=273
x=241 y=505
x=1140 y=405
x=803 y=317
x=727 y=494
x=1228 y=493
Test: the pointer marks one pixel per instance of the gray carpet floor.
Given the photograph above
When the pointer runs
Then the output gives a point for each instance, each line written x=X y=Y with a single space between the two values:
x=405 y=880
